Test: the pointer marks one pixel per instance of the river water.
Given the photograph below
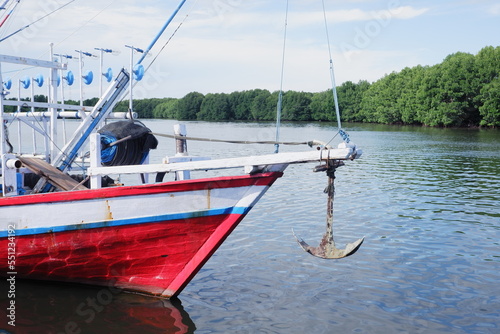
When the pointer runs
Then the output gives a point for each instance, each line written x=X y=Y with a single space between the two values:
x=426 y=200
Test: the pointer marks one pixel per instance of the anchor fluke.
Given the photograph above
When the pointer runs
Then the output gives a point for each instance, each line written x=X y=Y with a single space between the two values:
x=327 y=250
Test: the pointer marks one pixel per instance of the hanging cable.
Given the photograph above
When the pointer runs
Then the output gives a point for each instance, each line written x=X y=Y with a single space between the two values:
x=28 y=25
x=344 y=135
x=172 y=36
x=280 y=96
x=153 y=42
x=86 y=22
x=163 y=47
x=311 y=143
x=9 y=13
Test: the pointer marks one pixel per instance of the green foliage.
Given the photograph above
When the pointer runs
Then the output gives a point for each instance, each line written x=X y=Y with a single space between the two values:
x=460 y=91
x=350 y=96
x=322 y=106
x=241 y=104
x=262 y=108
x=189 y=106
x=490 y=110
x=488 y=99
x=380 y=101
x=215 y=107
x=166 y=109
x=90 y=102
x=295 y=106
x=458 y=85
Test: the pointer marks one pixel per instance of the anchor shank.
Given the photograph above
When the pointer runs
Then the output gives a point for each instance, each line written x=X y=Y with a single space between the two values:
x=327 y=240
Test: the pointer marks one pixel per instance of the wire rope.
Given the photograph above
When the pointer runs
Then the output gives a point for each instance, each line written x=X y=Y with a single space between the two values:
x=279 y=107
x=41 y=18
x=310 y=143
x=172 y=36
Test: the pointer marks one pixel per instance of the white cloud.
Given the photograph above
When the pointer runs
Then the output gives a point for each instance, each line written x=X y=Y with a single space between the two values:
x=407 y=12
x=494 y=9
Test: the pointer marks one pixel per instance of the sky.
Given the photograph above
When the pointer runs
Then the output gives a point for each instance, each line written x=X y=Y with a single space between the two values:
x=222 y=46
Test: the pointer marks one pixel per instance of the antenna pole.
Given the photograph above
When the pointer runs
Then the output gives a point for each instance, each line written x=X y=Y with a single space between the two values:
x=101 y=63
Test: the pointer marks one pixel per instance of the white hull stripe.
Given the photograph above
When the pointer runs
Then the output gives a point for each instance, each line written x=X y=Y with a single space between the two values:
x=131 y=221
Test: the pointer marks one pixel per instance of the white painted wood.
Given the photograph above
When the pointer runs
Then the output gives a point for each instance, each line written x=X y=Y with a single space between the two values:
x=32 y=62
x=128 y=207
x=262 y=160
x=185 y=158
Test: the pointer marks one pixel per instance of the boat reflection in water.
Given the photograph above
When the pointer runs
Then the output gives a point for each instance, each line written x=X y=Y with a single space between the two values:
x=43 y=307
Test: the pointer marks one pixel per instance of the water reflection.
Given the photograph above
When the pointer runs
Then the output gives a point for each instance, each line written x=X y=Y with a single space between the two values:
x=57 y=308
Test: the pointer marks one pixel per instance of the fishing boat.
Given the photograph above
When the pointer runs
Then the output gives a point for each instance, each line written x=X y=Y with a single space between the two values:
x=64 y=218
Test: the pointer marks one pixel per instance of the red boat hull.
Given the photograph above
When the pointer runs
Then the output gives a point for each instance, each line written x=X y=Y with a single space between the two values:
x=157 y=257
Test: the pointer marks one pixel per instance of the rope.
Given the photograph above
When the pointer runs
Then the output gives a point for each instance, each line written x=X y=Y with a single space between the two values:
x=280 y=97
x=171 y=36
x=27 y=26
x=231 y=141
x=135 y=82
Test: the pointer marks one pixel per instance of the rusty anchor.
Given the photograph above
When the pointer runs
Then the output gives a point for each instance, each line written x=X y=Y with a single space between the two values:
x=326 y=248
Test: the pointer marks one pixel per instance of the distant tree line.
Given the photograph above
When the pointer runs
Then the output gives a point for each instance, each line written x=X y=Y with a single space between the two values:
x=463 y=90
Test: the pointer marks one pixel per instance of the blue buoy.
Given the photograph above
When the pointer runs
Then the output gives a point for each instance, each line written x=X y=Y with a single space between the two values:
x=8 y=84
x=25 y=82
x=87 y=78
x=109 y=74
x=70 y=78
x=39 y=80
x=138 y=72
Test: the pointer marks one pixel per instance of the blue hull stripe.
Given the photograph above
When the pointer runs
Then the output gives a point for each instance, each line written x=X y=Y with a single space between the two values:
x=131 y=221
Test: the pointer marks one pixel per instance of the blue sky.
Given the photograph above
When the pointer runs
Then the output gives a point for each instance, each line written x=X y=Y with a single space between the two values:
x=234 y=45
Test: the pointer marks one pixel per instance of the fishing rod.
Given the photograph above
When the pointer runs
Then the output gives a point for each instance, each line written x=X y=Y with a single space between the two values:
x=9 y=13
x=3 y=5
